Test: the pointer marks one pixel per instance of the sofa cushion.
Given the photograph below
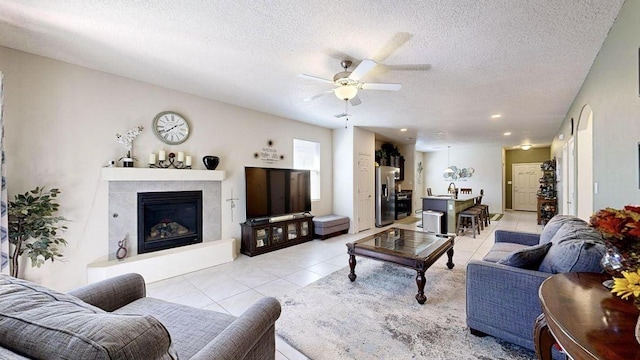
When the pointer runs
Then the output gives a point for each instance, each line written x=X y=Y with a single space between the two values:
x=190 y=328
x=576 y=248
x=556 y=222
x=41 y=323
x=501 y=250
x=527 y=258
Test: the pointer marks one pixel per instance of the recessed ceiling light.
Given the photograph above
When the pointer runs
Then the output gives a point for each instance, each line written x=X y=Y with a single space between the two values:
x=496 y=116
x=403 y=129
x=507 y=133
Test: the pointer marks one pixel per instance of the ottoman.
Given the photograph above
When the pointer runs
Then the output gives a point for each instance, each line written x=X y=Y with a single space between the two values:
x=330 y=225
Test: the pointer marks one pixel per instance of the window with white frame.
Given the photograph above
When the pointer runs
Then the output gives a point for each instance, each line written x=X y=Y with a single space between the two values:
x=306 y=156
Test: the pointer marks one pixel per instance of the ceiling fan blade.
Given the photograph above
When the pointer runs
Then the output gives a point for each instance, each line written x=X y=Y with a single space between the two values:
x=381 y=86
x=355 y=101
x=319 y=95
x=341 y=115
x=305 y=76
x=406 y=67
x=361 y=70
x=396 y=42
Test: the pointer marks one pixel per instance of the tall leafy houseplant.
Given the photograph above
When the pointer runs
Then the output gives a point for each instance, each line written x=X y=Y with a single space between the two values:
x=33 y=227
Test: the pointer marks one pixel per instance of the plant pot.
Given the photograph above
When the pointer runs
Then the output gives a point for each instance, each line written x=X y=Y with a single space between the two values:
x=211 y=162
x=127 y=162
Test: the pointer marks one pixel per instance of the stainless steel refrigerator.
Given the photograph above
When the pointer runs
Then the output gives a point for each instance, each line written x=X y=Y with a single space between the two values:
x=385 y=195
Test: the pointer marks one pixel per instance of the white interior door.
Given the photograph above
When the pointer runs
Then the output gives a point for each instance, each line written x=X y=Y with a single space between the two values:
x=526 y=181
x=365 y=191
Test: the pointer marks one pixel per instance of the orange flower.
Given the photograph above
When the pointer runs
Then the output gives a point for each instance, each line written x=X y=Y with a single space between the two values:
x=619 y=224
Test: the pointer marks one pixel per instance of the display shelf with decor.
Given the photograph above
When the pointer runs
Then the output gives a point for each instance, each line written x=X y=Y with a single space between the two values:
x=260 y=236
x=547 y=193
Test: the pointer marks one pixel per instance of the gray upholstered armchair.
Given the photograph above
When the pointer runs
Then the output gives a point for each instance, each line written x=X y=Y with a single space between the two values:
x=502 y=299
x=113 y=319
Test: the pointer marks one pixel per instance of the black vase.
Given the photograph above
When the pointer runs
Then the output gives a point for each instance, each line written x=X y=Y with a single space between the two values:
x=211 y=162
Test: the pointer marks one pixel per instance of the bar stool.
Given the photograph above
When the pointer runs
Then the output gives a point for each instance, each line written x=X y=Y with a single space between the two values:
x=470 y=216
x=485 y=208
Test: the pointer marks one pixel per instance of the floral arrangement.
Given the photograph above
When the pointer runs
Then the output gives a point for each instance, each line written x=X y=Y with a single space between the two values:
x=628 y=285
x=129 y=136
x=616 y=224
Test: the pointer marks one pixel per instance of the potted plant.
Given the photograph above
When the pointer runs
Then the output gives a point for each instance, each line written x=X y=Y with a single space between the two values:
x=381 y=157
x=33 y=227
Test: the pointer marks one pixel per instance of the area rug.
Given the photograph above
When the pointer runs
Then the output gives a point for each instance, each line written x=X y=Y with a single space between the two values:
x=408 y=220
x=377 y=317
x=496 y=217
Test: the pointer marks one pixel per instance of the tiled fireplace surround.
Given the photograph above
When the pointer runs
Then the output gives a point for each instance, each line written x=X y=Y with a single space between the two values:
x=124 y=184
x=123 y=209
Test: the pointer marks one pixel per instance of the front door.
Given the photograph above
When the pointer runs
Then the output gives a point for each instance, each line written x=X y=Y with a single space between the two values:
x=526 y=181
x=365 y=204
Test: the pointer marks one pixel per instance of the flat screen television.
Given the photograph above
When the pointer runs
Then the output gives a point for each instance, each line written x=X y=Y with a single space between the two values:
x=273 y=192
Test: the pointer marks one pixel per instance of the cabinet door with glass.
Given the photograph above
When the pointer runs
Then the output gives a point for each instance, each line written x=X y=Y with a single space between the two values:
x=304 y=227
x=262 y=237
x=292 y=231
x=277 y=233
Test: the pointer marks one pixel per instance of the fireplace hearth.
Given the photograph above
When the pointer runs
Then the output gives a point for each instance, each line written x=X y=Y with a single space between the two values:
x=169 y=219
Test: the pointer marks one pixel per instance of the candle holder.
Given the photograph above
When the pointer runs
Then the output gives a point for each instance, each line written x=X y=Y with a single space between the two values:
x=170 y=162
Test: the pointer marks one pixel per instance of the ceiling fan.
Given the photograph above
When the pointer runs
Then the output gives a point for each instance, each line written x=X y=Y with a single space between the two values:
x=348 y=82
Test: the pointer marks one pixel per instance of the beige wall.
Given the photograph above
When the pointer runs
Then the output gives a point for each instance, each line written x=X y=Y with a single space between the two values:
x=60 y=125
x=611 y=89
x=533 y=155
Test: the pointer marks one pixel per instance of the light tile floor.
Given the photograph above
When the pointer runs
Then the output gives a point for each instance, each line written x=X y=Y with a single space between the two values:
x=233 y=287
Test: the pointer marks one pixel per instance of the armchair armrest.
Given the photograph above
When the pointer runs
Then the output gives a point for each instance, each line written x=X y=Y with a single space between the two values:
x=517 y=237
x=113 y=293
x=254 y=328
x=503 y=300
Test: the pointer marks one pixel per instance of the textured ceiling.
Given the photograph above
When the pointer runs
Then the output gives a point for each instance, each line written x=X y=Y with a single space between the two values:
x=459 y=61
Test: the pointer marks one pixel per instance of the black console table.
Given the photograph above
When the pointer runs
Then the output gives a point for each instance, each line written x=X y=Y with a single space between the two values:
x=259 y=237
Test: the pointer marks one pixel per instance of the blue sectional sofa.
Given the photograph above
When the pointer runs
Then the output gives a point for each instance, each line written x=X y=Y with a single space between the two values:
x=502 y=289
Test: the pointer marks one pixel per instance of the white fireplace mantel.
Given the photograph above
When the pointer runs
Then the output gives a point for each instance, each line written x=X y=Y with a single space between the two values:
x=156 y=174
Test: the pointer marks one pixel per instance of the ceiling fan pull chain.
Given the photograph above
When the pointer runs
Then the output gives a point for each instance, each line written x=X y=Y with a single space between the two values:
x=346 y=108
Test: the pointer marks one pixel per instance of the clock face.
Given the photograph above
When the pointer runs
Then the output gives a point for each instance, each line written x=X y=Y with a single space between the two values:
x=171 y=128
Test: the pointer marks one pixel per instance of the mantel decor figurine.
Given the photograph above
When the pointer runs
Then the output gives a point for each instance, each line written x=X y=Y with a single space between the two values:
x=165 y=161
x=127 y=140
x=211 y=162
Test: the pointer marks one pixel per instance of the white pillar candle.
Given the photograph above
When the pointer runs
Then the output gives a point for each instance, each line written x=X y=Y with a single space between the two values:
x=180 y=156
x=152 y=158
x=188 y=160
x=162 y=155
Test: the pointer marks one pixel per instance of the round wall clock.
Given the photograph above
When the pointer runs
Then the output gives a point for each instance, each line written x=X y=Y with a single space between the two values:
x=171 y=127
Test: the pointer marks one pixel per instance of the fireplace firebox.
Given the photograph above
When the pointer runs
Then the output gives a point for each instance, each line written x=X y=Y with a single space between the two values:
x=169 y=219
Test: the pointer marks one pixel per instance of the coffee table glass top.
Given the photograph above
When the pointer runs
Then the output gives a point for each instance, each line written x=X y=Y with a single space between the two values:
x=405 y=242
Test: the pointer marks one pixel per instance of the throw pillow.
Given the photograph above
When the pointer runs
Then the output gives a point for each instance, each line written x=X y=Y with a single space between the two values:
x=556 y=222
x=41 y=323
x=576 y=248
x=527 y=258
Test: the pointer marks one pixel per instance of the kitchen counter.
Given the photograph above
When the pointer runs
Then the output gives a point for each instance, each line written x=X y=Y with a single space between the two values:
x=450 y=207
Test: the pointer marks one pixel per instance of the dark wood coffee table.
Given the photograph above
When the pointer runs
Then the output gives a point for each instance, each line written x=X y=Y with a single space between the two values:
x=413 y=249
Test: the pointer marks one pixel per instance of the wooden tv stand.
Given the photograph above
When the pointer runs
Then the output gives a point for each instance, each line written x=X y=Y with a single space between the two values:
x=262 y=236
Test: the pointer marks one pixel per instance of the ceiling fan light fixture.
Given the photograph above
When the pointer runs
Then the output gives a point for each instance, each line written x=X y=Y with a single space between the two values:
x=346 y=92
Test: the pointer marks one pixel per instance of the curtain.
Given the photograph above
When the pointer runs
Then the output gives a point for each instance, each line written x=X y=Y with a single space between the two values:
x=4 y=233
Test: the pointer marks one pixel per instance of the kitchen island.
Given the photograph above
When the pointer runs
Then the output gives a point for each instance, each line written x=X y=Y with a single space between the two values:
x=450 y=207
